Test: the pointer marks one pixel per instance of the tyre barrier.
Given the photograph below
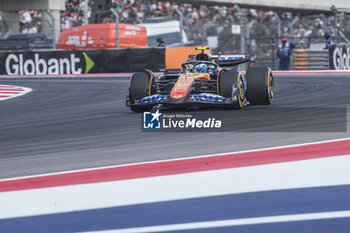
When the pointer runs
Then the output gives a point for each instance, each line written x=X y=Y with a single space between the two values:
x=311 y=59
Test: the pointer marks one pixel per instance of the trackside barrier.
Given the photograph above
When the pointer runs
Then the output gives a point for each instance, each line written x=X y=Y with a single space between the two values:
x=66 y=62
x=300 y=59
x=276 y=74
x=76 y=62
x=72 y=62
x=307 y=59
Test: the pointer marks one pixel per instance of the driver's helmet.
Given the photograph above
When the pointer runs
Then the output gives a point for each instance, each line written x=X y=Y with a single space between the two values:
x=202 y=68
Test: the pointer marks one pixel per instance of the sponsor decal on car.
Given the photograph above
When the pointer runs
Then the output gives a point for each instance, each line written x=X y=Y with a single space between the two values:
x=182 y=86
x=230 y=57
x=204 y=97
x=152 y=99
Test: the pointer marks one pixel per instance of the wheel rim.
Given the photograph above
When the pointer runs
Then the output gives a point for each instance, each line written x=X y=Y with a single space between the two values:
x=270 y=87
x=240 y=92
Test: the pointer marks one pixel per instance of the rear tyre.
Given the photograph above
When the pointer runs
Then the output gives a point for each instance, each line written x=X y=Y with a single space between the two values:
x=140 y=87
x=230 y=85
x=260 y=85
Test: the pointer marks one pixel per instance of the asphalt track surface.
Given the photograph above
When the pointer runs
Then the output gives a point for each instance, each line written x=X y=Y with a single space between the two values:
x=77 y=123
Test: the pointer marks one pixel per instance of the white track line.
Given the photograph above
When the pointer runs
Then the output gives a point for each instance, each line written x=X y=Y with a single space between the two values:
x=177 y=159
x=233 y=222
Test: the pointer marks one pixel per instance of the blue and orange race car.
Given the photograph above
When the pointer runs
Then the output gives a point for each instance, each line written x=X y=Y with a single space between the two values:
x=204 y=80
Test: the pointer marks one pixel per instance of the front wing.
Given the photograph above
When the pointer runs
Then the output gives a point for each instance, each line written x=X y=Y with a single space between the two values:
x=202 y=98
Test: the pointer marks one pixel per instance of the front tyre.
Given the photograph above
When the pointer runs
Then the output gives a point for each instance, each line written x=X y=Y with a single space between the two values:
x=260 y=85
x=140 y=87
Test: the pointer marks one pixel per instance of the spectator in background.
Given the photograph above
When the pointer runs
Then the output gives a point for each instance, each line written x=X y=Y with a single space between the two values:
x=160 y=42
x=329 y=40
x=32 y=28
x=284 y=52
x=65 y=23
x=27 y=17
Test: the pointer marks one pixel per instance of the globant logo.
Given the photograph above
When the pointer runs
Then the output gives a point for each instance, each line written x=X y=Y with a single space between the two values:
x=341 y=58
x=16 y=64
x=157 y=120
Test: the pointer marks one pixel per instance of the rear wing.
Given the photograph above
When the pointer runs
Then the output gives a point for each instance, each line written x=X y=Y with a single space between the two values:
x=227 y=60
x=231 y=59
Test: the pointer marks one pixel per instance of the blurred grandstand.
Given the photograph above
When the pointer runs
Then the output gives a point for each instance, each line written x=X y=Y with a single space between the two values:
x=219 y=26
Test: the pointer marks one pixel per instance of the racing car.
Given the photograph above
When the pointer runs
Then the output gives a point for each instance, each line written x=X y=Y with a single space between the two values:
x=204 y=80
